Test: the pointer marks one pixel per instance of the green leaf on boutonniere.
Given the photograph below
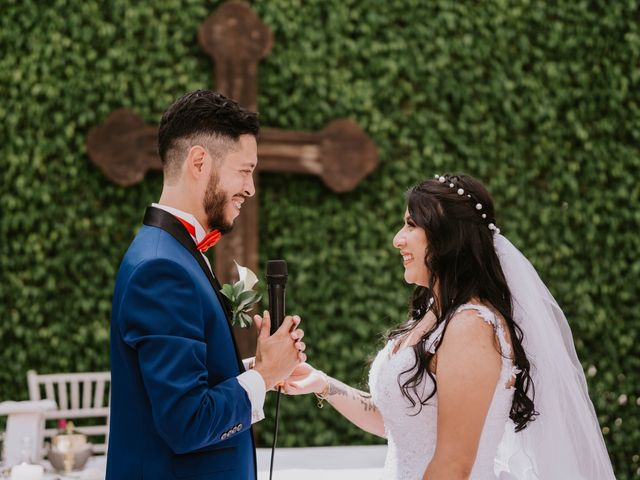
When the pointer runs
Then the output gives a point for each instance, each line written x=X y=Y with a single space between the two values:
x=229 y=292
x=244 y=320
x=242 y=297
x=248 y=298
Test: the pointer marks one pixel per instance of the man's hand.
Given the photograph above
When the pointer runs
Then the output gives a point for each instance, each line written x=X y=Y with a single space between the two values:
x=277 y=355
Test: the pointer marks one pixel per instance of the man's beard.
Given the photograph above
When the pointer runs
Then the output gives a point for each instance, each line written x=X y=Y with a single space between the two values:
x=214 y=204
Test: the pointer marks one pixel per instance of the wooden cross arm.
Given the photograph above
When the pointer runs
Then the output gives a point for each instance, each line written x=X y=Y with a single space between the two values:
x=341 y=154
x=124 y=148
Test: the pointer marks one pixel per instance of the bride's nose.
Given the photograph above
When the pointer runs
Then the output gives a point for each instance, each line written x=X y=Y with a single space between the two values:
x=399 y=241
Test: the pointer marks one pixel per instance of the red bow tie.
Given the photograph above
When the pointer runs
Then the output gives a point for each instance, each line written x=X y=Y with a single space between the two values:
x=209 y=240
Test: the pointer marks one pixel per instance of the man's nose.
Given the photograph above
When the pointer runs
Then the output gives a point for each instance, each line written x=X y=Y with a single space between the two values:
x=249 y=187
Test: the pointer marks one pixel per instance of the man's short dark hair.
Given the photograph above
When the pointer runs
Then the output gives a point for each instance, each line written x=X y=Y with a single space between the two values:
x=201 y=116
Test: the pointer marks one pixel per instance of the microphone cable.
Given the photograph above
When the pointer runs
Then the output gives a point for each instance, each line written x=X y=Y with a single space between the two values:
x=275 y=432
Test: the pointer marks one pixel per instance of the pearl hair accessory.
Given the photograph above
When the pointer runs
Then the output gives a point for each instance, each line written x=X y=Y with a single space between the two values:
x=460 y=191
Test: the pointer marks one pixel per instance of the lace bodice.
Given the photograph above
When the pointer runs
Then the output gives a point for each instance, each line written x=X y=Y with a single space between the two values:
x=412 y=438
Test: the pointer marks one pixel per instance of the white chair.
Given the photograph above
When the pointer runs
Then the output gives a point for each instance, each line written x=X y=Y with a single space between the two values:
x=78 y=396
x=22 y=439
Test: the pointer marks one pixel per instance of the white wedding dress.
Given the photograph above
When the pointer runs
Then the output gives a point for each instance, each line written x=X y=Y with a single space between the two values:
x=412 y=438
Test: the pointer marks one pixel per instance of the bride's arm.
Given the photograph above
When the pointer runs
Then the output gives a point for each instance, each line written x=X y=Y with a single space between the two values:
x=355 y=405
x=468 y=369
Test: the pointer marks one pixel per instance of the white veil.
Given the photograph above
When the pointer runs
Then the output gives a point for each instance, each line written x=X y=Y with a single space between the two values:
x=564 y=442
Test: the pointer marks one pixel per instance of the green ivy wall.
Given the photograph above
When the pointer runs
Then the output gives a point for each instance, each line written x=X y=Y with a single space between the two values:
x=540 y=100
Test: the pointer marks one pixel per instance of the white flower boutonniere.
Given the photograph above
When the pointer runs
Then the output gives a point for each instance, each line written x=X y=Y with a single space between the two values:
x=242 y=296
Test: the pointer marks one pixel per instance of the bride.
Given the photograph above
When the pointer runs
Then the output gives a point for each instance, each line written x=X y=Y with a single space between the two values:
x=482 y=381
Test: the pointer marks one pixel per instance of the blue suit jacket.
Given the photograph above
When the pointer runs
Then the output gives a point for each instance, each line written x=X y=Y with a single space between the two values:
x=177 y=409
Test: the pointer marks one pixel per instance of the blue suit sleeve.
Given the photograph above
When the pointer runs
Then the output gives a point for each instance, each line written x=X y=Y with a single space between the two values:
x=164 y=322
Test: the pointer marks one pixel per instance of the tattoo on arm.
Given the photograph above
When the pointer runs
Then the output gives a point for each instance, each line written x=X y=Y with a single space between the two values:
x=367 y=402
x=339 y=388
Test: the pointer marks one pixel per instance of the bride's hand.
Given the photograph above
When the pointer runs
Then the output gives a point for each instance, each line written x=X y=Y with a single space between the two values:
x=305 y=379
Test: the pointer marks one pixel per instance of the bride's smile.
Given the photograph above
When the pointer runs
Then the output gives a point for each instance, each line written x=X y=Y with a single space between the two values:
x=411 y=240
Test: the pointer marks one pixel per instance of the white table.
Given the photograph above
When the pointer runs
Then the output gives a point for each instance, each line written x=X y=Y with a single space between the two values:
x=321 y=463
x=310 y=463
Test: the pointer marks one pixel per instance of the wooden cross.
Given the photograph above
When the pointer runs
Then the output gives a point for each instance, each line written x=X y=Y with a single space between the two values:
x=236 y=39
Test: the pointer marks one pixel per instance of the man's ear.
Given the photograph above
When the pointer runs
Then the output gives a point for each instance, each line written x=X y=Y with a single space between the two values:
x=195 y=161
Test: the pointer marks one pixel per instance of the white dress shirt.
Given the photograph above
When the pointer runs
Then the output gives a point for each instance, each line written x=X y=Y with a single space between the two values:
x=251 y=380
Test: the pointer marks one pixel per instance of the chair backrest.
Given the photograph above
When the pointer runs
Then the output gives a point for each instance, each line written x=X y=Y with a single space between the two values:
x=81 y=397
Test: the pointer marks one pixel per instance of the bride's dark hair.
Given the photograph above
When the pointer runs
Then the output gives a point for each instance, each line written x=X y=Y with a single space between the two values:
x=461 y=259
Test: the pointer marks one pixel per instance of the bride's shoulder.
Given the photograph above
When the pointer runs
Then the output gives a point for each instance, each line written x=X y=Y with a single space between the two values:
x=471 y=323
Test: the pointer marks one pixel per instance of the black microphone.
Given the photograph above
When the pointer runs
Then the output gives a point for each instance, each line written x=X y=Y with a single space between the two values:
x=276 y=284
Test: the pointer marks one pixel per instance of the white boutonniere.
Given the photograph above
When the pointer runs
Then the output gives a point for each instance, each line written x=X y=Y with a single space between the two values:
x=242 y=296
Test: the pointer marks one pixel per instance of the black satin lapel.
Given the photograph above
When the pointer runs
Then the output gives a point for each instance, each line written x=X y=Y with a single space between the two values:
x=156 y=217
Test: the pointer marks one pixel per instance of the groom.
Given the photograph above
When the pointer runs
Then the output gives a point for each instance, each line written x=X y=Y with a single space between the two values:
x=182 y=403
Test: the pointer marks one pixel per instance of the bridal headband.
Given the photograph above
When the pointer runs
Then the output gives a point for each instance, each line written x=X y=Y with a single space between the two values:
x=479 y=206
